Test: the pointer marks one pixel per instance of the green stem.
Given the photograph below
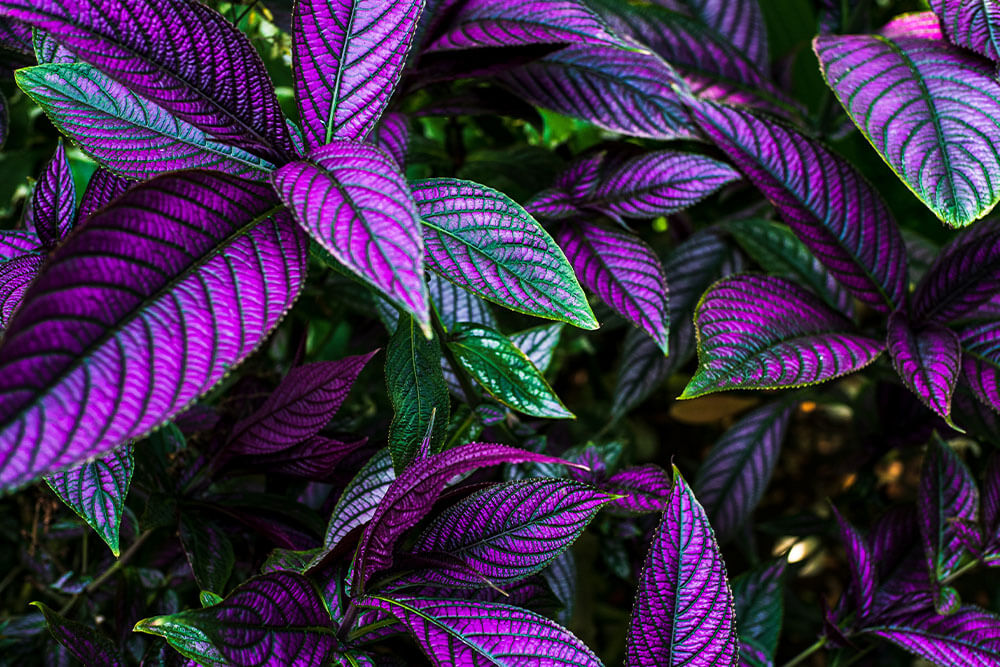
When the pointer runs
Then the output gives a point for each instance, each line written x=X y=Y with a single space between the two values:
x=118 y=564
x=801 y=657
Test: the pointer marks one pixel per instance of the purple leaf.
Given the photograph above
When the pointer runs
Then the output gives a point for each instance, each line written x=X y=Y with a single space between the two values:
x=314 y=458
x=971 y=24
x=17 y=242
x=758 y=332
x=354 y=202
x=924 y=25
x=463 y=632
x=683 y=611
x=86 y=644
x=392 y=135
x=970 y=636
x=359 y=500
x=96 y=112
x=162 y=269
x=623 y=271
x=739 y=22
x=274 y=618
x=53 y=203
x=508 y=531
x=48 y=50
x=482 y=240
x=615 y=89
x=936 y=130
x=302 y=404
x=16 y=276
x=838 y=215
x=927 y=358
x=148 y=45
x=645 y=488
x=561 y=576
x=347 y=57
x=758 y=597
x=410 y=497
x=96 y=491
x=862 y=564
x=102 y=189
x=892 y=537
x=738 y=468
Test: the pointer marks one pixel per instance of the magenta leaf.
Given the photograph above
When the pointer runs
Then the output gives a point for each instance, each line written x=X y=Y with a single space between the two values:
x=838 y=215
x=861 y=560
x=347 y=57
x=86 y=644
x=147 y=45
x=927 y=358
x=465 y=632
x=643 y=488
x=102 y=189
x=354 y=202
x=740 y=22
x=971 y=24
x=16 y=276
x=162 y=269
x=53 y=202
x=738 y=468
x=757 y=332
x=17 y=242
x=924 y=25
x=624 y=271
x=96 y=491
x=48 y=50
x=970 y=636
x=683 y=611
x=392 y=135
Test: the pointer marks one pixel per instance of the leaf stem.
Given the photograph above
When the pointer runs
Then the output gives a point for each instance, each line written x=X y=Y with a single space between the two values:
x=801 y=657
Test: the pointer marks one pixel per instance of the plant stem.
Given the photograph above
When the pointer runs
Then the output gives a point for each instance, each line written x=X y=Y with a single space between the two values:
x=456 y=368
x=801 y=657
x=118 y=564
x=347 y=621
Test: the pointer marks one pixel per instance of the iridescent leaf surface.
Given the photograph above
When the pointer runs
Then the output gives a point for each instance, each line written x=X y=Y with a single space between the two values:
x=464 y=632
x=732 y=479
x=354 y=202
x=147 y=45
x=96 y=491
x=482 y=240
x=758 y=332
x=102 y=189
x=86 y=644
x=15 y=278
x=862 y=564
x=937 y=129
x=970 y=636
x=126 y=133
x=927 y=358
x=504 y=371
x=162 y=269
x=360 y=498
x=838 y=215
x=209 y=551
x=347 y=57
x=683 y=612
x=48 y=50
x=973 y=24
x=53 y=202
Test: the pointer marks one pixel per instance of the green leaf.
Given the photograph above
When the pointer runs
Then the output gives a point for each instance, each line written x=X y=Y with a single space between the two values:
x=208 y=550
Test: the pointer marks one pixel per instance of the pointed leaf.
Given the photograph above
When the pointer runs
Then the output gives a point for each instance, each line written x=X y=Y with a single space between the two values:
x=538 y=343
x=162 y=269
x=86 y=644
x=96 y=491
x=53 y=203
x=928 y=359
x=683 y=611
x=970 y=636
x=97 y=112
x=17 y=242
x=860 y=558
x=971 y=24
x=838 y=215
x=455 y=304
x=757 y=332
x=347 y=57
x=361 y=497
x=353 y=201
x=392 y=135
x=759 y=599
x=15 y=278
x=464 y=632
x=102 y=189
x=644 y=488
x=504 y=371
x=480 y=239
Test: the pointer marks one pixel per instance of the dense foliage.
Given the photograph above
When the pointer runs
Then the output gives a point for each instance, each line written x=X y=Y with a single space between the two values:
x=499 y=332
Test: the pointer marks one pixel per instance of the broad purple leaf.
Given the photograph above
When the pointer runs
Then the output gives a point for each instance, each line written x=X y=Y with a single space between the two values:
x=102 y=189
x=411 y=496
x=644 y=488
x=482 y=240
x=758 y=332
x=347 y=56
x=734 y=475
x=937 y=130
x=98 y=113
x=88 y=645
x=17 y=242
x=455 y=304
x=392 y=135
x=927 y=358
x=15 y=278
x=148 y=46
x=48 y=50
x=302 y=404
x=683 y=612
x=759 y=600
x=861 y=561
x=972 y=24
x=508 y=531
x=970 y=636
x=276 y=618
x=924 y=25
x=624 y=271
x=354 y=202
x=504 y=23
x=53 y=202
x=838 y=215
x=621 y=90
x=314 y=458
x=359 y=500
x=739 y=22
x=138 y=314
x=464 y=632
x=892 y=537
x=96 y=491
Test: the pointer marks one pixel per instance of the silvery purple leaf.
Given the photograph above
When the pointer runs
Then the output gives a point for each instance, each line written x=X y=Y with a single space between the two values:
x=971 y=24
x=970 y=636
x=937 y=129
x=507 y=531
x=759 y=600
x=274 y=618
x=97 y=112
x=538 y=343
x=392 y=135
x=53 y=202
x=683 y=610
x=17 y=242
x=624 y=271
x=838 y=215
x=924 y=25
x=927 y=358
x=412 y=494
x=359 y=500
x=455 y=304
x=88 y=645
x=625 y=91
x=354 y=202
x=561 y=576
x=147 y=45
x=96 y=491
x=347 y=57
x=482 y=240
x=645 y=488
x=15 y=278
x=300 y=406
x=102 y=189
x=739 y=22
x=758 y=332
x=162 y=269
x=734 y=475
x=464 y=632
x=861 y=561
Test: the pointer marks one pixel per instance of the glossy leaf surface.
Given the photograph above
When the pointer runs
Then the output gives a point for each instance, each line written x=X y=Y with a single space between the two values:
x=861 y=561
x=928 y=359
x=644 y=488
x=538 y=343
x=456 y=304
x=758 y=596
x=741 y=22
x=17 y=242
x=980 y=359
